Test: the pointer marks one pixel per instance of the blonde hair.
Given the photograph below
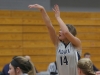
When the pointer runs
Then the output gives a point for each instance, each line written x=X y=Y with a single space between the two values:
x=86 y=65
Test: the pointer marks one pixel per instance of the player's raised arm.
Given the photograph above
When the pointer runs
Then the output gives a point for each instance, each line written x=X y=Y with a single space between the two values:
x=65 y=30
x=48 y=23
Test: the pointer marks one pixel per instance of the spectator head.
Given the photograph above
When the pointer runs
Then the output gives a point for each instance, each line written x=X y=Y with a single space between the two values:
x=87 y=55
x=27 y=57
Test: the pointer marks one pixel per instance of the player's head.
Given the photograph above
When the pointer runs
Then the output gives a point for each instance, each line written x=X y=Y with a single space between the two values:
x=87 y=55
x=20 y=65
x=71 y=29
x=85 y=67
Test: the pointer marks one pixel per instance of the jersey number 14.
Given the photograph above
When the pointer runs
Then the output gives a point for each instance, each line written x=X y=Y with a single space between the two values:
x=64 y=60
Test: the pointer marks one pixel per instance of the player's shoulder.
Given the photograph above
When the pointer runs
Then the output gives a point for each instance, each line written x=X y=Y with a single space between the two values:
x=52 y=63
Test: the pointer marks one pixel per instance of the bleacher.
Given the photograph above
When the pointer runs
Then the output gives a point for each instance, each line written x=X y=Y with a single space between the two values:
x=24 y=33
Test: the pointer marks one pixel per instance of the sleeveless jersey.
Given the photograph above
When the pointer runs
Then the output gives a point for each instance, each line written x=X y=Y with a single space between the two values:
x=66 y=58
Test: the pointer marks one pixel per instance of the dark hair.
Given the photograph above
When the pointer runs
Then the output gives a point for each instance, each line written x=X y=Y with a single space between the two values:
x=24 y=64
x=86 y=54
x=72 y=29
x=14 y=57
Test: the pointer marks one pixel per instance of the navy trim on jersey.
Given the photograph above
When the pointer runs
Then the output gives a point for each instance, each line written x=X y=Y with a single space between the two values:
x=79 y=57
x=65 y=44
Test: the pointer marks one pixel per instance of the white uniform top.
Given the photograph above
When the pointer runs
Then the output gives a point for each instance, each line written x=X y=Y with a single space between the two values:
x=66 y=59
x=52 y=67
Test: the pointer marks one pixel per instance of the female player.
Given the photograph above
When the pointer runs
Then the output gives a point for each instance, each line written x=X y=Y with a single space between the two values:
x=21 y=66
x=67 y=45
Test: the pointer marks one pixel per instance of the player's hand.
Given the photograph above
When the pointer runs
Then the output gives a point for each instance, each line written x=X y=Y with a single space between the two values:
x=37 y=6
x=56 y=10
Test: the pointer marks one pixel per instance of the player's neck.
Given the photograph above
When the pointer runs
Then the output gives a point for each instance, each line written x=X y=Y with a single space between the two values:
x=66 y=42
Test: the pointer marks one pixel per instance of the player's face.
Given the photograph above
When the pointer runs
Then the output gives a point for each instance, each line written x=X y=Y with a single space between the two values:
x=11 y=70
x=61 y=35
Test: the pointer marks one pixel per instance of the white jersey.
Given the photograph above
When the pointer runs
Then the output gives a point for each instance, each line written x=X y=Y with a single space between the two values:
x=52 y=67
x=66 y=58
